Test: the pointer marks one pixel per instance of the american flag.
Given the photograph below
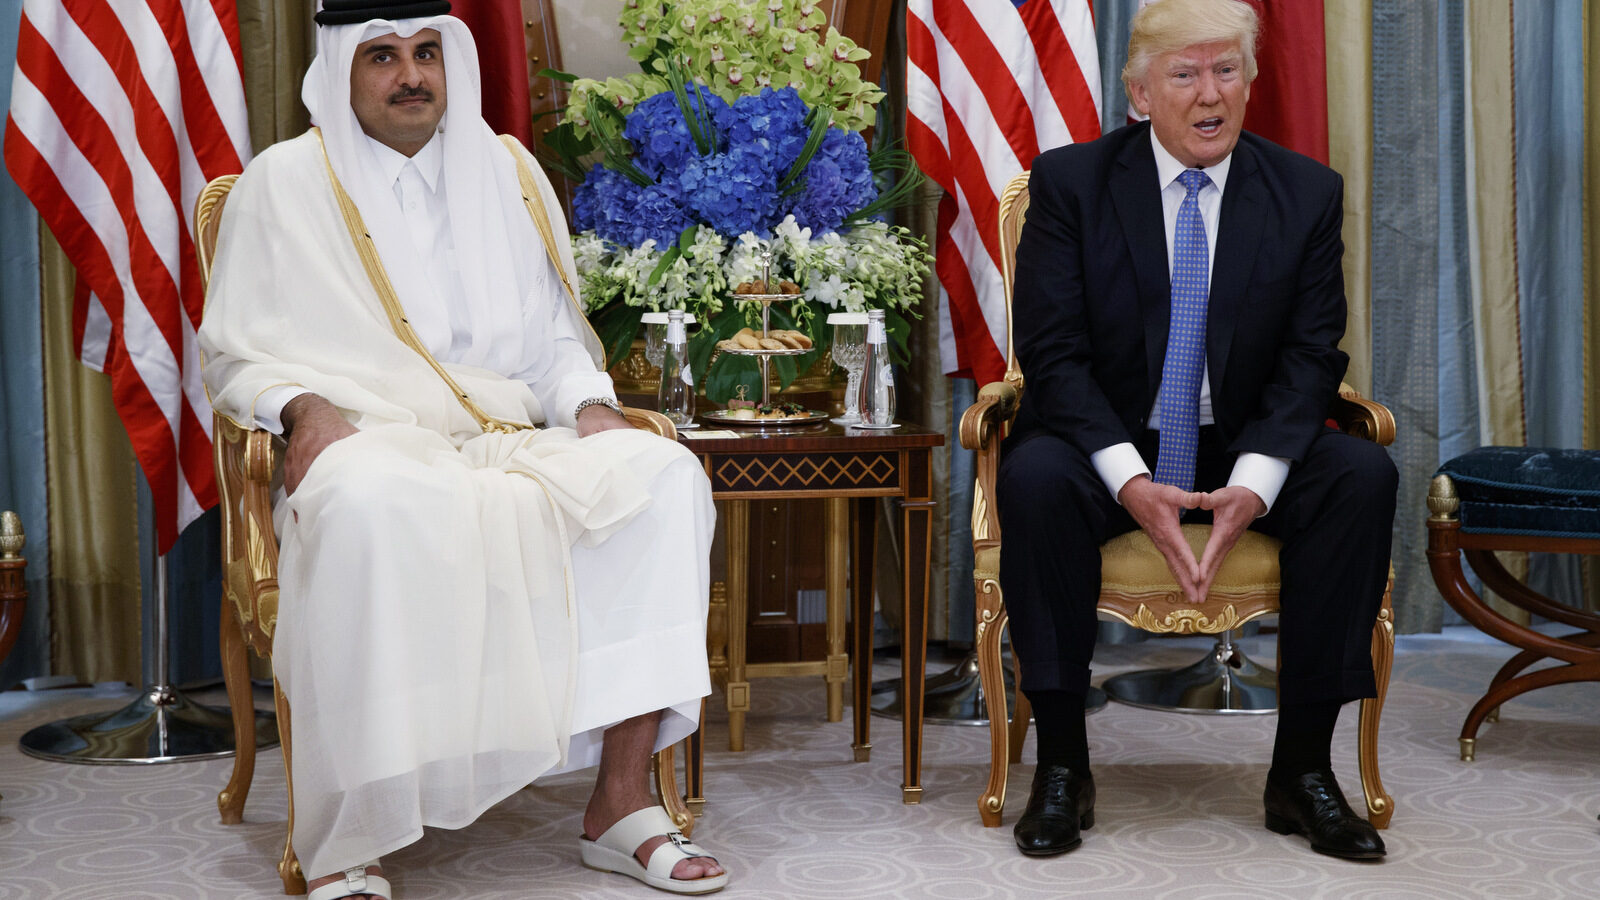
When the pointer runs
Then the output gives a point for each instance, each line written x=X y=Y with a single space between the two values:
x=989 y=85
x=121 y=111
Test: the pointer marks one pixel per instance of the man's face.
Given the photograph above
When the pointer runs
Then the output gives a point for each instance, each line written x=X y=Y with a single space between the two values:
x=1195 y=99
x=397 y=89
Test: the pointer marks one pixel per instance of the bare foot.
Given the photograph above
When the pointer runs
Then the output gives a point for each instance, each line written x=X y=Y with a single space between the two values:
x=330 y=879
x=604 y=813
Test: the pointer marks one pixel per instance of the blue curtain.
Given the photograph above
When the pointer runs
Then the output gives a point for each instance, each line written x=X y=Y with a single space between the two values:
x=22 y=468
x=1548 y=44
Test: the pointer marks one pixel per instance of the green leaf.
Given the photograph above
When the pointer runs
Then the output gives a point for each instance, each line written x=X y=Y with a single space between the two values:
x=667 y=259
x=899 y=329
x=616 y=324
x=819 y=121
x=565 y=77
x=786 y=369
x=605 y=124
x=730 y=371
x=897 y=165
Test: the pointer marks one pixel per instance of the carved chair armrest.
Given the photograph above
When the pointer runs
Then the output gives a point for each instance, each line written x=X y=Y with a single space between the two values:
x=246 y=459
x=651 y=421
x=985 y=421
x=1362 y=417
x=983 y=426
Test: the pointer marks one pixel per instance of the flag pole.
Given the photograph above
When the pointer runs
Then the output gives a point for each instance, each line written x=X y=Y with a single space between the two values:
x=161 y=725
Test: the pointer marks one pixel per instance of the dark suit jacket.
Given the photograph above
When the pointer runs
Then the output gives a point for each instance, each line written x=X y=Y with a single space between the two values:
x=1091 y=299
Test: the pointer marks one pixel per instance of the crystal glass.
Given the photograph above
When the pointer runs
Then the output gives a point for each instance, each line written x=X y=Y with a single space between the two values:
x=655 y=335
x=876 y=396
x=675 y=396
x=850 y=352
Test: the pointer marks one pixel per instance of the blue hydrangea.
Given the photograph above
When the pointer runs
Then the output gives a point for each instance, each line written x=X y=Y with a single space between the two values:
x=733 y=189
x=659 y=134
x=733 y=192
x=837 y=182
x=775 y=121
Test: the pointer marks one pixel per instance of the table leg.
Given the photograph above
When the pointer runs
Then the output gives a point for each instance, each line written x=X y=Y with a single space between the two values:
x=863 y=535
x=837 y=528
x=695 y=766
x=738 y=583
x=916 y=517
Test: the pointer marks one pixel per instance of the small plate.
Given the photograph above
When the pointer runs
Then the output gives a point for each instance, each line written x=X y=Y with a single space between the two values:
x=865 y=427
x=721 y=417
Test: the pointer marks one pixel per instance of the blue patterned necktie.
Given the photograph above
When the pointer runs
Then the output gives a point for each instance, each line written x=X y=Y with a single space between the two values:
x=1186 y=341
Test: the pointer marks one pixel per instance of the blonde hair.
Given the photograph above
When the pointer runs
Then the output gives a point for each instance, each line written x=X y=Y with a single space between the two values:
x=1171 y=25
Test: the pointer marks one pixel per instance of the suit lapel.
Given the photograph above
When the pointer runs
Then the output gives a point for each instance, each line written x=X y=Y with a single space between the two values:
x=1137 y=198
x=1238 y=237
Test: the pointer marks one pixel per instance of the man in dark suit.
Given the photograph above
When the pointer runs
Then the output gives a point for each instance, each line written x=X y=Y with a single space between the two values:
x=1178 y=307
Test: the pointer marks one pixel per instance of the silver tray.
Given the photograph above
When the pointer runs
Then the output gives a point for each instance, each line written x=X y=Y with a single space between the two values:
x=720 y=417
x=741 y=351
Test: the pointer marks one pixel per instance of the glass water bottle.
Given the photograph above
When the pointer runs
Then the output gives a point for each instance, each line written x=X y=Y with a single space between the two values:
x=675 y=398
x=876 y=399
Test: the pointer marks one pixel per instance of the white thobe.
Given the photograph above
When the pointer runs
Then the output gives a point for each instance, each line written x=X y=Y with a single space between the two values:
x=460 y=613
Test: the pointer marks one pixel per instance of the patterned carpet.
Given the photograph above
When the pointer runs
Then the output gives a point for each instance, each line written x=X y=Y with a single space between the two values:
x=1179 y=812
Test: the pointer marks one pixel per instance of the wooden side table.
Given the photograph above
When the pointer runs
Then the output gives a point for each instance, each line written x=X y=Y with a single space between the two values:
x=849 y=469
x=1516 y=498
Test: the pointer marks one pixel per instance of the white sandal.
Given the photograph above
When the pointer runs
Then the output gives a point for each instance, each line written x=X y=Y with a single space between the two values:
x=613 y=852
x=356 y=882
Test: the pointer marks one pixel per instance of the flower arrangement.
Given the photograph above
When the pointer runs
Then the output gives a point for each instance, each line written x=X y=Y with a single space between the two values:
x=741 y=135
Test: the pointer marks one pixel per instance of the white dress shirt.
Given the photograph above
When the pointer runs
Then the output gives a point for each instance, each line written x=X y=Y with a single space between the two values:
x=1117 y=464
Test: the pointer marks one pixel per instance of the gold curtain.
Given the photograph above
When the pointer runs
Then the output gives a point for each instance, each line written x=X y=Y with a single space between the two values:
x=277 y=43
x=1348 y=34
x=1492 y=233
x=94 y=530
x=1492 y=218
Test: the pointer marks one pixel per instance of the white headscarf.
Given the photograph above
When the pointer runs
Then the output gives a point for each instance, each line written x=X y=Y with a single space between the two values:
x=504 y=270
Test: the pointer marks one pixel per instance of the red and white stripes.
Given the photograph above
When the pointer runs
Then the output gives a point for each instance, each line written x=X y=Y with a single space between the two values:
x=121 y=111
x=989 y=85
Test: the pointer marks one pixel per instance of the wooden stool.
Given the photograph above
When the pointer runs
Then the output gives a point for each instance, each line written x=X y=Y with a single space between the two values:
x=1516 y=498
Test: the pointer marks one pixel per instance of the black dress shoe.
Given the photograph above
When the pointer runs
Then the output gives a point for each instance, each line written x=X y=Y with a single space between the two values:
x=1312 y=804
x=1059 y=806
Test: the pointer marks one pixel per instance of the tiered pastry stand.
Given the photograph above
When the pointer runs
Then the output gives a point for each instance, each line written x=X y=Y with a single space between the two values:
x=722 y=416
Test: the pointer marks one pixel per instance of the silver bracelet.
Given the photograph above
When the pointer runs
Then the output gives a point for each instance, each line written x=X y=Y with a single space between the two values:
x=607 y=402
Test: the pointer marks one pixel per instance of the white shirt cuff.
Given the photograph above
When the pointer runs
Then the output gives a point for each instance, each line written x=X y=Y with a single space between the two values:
x=1117 y=465
x=1263 y=475
x=270 y=403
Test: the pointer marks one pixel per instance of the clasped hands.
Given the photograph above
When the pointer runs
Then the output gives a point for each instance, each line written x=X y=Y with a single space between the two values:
x=1156 y=508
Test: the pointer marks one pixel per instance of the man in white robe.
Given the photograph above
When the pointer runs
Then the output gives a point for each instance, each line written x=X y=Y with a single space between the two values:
x=486 y=575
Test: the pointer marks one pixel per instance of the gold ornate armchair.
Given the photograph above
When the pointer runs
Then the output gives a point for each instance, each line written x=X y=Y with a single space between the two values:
x=1136 y=587
x=246 y=459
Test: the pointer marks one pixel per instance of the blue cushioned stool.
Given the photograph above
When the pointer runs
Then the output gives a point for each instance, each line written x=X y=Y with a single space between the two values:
x=1516 y=498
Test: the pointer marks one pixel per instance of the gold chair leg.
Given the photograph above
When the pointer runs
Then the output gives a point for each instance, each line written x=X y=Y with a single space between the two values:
x=1380 y=805
x=667 y=789
x=294 y=880
x=236 y=675
x=991 y=674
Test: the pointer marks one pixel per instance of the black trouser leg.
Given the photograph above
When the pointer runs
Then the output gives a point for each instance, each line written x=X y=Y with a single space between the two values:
x=1334 y=516
x=1054 y=514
